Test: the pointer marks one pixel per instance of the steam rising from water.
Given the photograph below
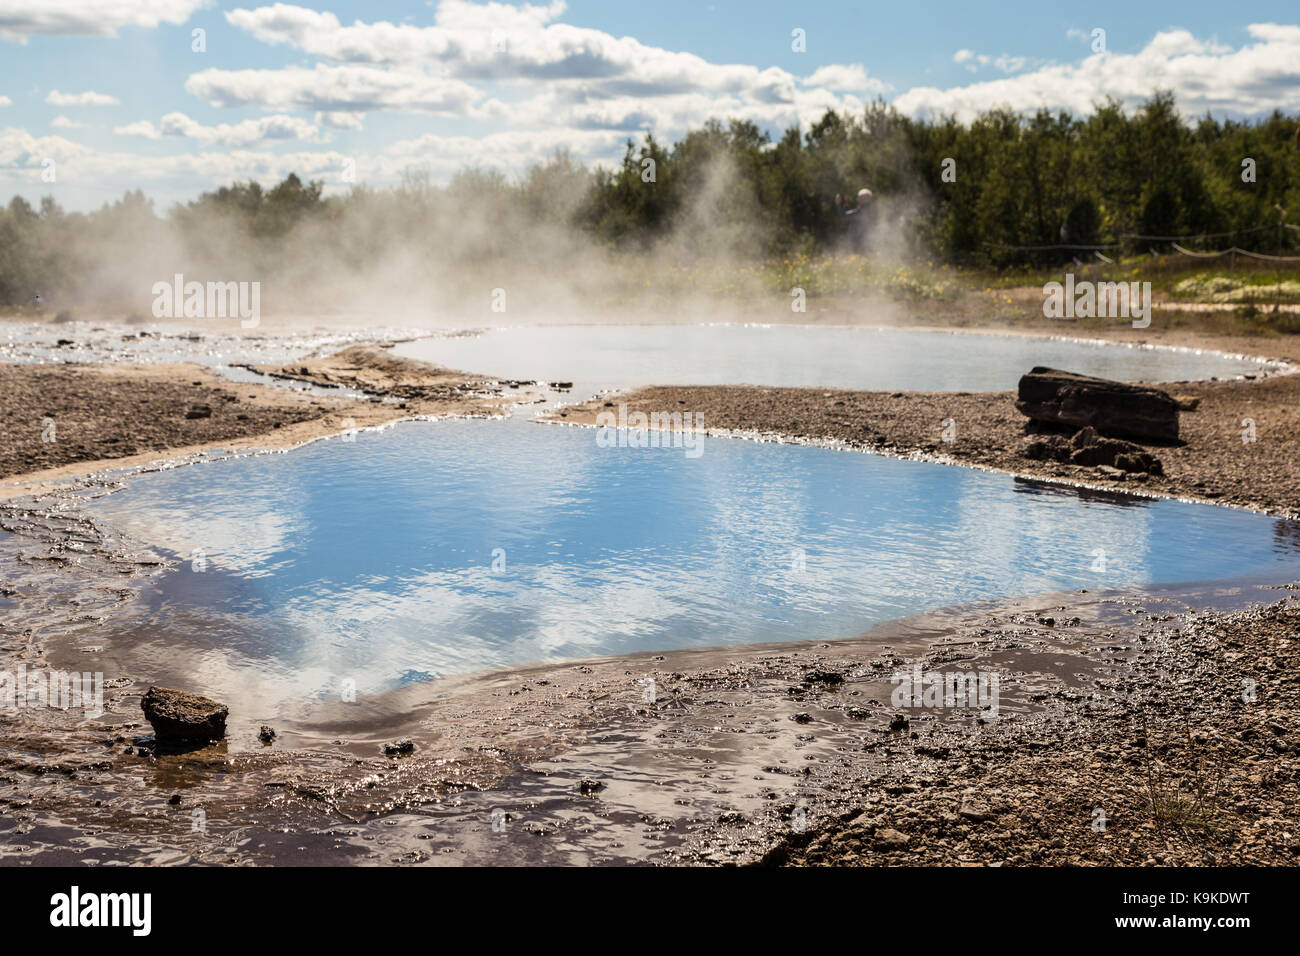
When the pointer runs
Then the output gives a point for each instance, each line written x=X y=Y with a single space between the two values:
x=482 y=250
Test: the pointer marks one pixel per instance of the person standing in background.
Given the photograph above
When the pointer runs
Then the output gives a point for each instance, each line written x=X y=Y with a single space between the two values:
x=859 y=216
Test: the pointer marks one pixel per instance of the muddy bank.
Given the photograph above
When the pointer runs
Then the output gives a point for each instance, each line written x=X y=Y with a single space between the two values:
x=413 y=385
x=1215 y=463
x=778 y=753
x=1187 y=757
x=65 y=414
x=59 y=421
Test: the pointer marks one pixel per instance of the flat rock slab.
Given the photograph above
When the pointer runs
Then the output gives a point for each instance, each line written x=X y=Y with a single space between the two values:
x=1113 y=408
x=179 y=717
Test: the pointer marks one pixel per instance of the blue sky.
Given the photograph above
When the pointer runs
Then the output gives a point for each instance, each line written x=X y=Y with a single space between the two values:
x=105 y=96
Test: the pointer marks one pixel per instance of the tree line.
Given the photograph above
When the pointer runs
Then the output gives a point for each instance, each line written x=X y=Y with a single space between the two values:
x=982 y=193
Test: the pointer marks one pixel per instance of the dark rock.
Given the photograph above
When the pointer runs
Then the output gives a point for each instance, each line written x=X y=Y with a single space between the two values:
x=823 y=677
x=1048 y=448
x=180 y=717
x=899 y=722
x=1090 y=450
x=1101 y=452
x=1142 y=462
x=199 y=411
x=802 y=718
x=396 y=747
x=1112 y=408
x=590 y=786
x=266 y=734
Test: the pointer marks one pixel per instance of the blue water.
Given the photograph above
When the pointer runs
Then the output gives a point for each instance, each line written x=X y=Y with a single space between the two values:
x=627 y=356
x=373 y=559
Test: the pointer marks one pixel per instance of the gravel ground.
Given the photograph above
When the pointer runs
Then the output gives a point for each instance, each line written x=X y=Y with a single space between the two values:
x=57 y=415
x=1213 y=464
x=82 y=418
x=1191 y=759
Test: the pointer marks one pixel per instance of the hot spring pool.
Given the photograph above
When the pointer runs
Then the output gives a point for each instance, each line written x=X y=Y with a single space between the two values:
x=438 y=548
x=627 y=356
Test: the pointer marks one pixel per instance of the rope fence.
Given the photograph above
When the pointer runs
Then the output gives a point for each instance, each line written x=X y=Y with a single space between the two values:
x=1175 y=241
x=1235 y=251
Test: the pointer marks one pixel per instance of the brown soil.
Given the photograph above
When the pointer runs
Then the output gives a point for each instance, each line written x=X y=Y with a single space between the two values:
x=126 y=416
x=1192 y=762
x=1214 y=464
x=98 y=413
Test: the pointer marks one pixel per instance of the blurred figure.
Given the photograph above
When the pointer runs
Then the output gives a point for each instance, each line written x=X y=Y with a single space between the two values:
x=859 y=218
x=37 y=301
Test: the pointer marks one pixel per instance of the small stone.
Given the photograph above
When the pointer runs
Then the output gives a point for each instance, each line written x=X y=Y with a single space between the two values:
x=266 y=734
x=397 y=747
x=889 y=839
x=823 y=677
x=181 y=717
x=972 y=809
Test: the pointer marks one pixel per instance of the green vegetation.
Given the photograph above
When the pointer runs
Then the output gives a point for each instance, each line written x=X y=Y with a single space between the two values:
x=730 y=211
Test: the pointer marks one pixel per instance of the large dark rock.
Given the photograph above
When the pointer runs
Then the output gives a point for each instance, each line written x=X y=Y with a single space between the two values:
x=182 y=718
x=1119 y=409
x=1090 y=450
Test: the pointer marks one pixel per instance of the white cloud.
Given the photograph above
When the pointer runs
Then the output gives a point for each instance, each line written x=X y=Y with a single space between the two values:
x=247 y=133
x=20 y=149
x=5 y=101
x=495 y=42
x=1256 y=78
x=523 y=83
x=62 y=122
x=501 y=64
x=340 y=120
x=20 y=19
x=141 y=128
x=851 y=77
x=1006 y=63
x=107 y=173
x=88 y=98
x=82 y=168
x=462 y=15
x=334 y=89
